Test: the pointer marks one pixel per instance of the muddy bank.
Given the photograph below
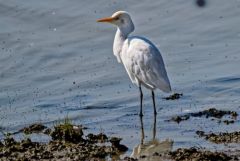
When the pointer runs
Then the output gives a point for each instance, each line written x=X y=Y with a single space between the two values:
x=196 y=154
x=68 y=143
x=34 y=128
x=212 y=112
x=233 y=137
x=184 y=154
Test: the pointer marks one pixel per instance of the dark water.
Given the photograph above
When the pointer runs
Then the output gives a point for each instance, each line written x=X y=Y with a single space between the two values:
x=56 y=61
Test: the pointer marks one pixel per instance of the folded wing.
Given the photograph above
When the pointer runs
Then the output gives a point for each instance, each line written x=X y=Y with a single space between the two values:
x=144 y=64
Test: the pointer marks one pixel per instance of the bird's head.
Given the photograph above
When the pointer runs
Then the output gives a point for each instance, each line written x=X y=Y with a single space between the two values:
x=122 y=20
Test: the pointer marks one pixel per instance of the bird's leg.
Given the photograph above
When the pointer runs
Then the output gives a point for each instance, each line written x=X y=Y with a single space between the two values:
x=154 y=127
x=154 y=105
x=141 y=100
x=142 y=130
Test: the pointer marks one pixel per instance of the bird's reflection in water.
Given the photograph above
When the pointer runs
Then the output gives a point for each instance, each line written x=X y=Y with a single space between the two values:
x=153 y=149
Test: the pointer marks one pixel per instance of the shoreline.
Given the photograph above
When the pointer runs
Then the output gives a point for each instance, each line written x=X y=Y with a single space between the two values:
x=69 y=141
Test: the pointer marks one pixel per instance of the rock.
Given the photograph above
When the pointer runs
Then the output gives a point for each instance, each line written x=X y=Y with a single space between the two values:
x=67 y=132
x=178 y=119
x=34 y=128
x=47 y=131
x=212 y=112
x=1 y=144
x=116 y=144
x=115 y=141
x=233 y=137
x=97 y=138
x=129 y=159
x=227 y=122
x=9 y=141
x=200 y=133
x=27 y=143
x=174 y=96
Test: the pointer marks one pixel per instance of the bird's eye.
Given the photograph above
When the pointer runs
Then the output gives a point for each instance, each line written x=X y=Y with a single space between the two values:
x=117 y=18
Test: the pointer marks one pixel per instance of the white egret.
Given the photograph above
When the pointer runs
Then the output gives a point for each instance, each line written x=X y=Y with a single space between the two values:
x=140 y=57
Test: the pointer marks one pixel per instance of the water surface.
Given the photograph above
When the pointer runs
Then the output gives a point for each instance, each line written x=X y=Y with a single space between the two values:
x=57 y=62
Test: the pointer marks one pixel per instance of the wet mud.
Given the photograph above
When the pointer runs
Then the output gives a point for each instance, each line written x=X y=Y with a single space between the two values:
x=219 y=138
x=212 y=112
x=197 y=155
x=34 y=128
x=68 y=142
x=72 y=142
x=174 y=96
x=179 y=119
x=187 y=154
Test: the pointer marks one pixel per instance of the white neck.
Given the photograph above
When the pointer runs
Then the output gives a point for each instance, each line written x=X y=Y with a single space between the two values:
x=121 y=35
x=119 y=39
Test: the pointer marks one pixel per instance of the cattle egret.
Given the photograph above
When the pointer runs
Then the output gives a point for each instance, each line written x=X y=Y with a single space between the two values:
x=140 y=57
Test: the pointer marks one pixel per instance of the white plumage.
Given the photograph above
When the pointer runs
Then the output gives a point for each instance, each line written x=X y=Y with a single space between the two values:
x=140 y=57
x=144 y=64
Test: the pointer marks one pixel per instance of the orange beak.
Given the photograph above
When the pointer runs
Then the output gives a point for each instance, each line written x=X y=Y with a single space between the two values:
x=107 y=19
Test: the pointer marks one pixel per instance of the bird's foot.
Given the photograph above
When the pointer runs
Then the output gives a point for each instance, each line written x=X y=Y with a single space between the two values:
x=155 y=112
x=140 y=115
